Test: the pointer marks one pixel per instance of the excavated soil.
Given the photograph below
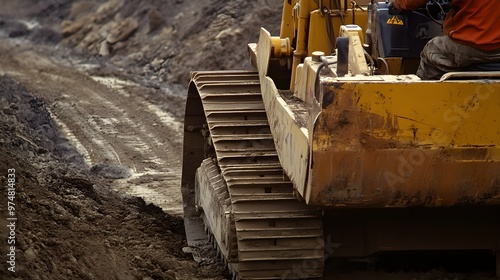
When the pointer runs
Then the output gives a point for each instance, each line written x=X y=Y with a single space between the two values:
x=70 y=223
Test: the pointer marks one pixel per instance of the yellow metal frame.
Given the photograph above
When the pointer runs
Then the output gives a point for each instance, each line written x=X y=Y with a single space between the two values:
x=304 y=22
x=389 y=143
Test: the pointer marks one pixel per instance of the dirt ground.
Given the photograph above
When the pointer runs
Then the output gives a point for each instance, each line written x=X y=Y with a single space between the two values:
x=91 y=109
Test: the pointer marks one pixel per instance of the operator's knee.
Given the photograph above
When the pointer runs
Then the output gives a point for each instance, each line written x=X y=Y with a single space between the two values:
x=430 y=57
x=437 y=58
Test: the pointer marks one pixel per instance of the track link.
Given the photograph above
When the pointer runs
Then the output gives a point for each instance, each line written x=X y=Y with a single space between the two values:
x=277 y=236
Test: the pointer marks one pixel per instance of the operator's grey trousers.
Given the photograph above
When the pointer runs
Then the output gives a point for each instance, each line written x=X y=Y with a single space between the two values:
x=442 y=55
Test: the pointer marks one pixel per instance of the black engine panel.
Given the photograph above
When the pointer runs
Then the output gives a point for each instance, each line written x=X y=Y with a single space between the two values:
x=405 y=34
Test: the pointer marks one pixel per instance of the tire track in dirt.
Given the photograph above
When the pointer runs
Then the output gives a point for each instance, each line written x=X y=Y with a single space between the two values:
x=113 y=125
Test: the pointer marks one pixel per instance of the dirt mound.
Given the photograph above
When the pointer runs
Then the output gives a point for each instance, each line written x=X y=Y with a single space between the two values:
x=16 y=101
x=171 y=38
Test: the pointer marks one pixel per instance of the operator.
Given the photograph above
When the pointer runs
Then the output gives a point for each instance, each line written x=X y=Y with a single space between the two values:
x=472 y=29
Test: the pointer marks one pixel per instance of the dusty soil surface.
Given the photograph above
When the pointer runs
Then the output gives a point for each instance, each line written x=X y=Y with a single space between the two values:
x=119 y=133
x=91 y=108
x=70 y=223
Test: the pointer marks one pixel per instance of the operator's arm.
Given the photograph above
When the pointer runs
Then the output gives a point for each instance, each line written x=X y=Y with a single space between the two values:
x=409 y=5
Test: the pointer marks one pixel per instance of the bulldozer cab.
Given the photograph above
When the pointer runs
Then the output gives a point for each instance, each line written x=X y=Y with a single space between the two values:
x=392 y=42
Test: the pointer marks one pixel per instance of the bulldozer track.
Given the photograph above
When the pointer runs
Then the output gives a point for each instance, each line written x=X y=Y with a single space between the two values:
x=278 y=236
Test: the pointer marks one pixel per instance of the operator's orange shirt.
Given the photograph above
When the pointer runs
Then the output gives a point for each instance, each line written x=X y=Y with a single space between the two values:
x=472 y=22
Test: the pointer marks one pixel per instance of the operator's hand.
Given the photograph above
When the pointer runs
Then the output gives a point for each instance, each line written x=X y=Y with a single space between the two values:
x=393 y=10
x=396 y=11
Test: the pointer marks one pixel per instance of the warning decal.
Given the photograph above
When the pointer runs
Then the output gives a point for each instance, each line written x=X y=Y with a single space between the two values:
x=395 y=20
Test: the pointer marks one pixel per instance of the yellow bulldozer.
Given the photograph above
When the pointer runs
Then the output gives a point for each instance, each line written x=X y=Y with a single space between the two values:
x=333 y=148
